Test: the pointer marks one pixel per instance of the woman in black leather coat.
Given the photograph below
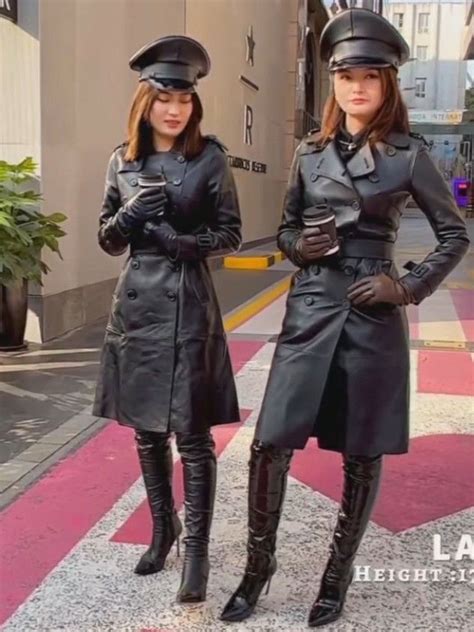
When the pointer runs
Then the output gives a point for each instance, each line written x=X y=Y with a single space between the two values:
x=165 y=364
x=341 y=366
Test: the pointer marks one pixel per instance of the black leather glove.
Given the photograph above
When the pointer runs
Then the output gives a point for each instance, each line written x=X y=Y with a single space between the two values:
x=313 y=244
x=178 y=247
x=164 y=236
x=378 y=289
x=146 y=204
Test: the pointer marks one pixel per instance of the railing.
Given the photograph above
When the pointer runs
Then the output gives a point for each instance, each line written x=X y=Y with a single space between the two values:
x=304 y=123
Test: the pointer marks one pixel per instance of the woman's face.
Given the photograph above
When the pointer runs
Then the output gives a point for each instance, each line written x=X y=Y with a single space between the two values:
x=170 y=113
x=358 y=91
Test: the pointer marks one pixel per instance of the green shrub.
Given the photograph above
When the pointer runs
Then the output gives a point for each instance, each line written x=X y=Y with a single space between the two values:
x=24 y=230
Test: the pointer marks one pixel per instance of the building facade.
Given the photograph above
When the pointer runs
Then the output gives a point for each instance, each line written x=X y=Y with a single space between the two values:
x=64 y=67
x=435 y=77
x=468 y=41
x=433 y=82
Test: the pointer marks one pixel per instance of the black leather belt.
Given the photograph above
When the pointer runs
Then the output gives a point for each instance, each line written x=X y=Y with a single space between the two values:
x=366 y=249
x=148 y=250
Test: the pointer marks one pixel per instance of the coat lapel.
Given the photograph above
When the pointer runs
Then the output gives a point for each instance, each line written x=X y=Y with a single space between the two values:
x=329 y=164
x=362 y=163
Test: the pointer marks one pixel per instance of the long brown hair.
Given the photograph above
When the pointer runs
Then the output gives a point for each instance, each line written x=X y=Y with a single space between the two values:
x=391 y=117
x=140 y=135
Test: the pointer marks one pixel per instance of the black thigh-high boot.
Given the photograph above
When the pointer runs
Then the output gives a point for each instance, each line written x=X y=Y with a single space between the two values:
x=199 y=468
x=156 y=461
x=361 y=484
x=268 y=470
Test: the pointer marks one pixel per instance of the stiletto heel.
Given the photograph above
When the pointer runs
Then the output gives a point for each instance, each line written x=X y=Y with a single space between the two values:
x=177 y=547
x=153 y=560
x=267 y=483
x=361 y=481
x=199 y=468
x=156 y=461
x=269 y=583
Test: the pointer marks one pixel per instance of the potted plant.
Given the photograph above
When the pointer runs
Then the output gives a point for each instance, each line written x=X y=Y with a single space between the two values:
x=24 y=232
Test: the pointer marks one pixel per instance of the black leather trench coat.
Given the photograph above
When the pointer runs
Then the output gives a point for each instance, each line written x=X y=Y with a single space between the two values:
x=165 y=363
x=341 y=373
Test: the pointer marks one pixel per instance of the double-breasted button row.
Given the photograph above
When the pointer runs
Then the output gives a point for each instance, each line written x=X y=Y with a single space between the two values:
x=349 y=270
x=132 y=295
x=309 y=300
x=135 y=264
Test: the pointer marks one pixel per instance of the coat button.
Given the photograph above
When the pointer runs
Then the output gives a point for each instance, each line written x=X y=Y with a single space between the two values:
x=135 y=264
x=348 y=270
x=309 y=300
x=177 y=182
x=134 y=182
x=373 y=177
x=390 y=151
x=180 y=159
x=356 y=205
x=132 y=294
x=346 y=304
x=171 y=295
x=314 y=177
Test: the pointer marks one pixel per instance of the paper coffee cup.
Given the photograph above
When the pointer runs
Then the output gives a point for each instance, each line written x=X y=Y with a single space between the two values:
x=323 y=218
x=151 y=180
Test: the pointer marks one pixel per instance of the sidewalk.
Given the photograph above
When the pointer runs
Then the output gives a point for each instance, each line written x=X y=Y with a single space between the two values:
x=46 y=392
x=71 y=541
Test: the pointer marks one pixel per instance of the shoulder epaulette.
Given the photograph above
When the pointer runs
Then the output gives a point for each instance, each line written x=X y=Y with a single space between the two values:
x=216 y=141
x=419 y=137
x=124 y=144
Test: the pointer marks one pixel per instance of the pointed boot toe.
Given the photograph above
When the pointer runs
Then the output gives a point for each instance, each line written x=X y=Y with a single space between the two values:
x=323 y=613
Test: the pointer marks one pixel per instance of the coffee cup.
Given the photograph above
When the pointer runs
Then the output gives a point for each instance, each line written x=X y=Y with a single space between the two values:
x=321 y=216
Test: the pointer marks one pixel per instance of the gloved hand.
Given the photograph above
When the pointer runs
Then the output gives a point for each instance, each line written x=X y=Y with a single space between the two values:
x=378 y=289
x=313 y=244
x=144 y=205
x=164 y=236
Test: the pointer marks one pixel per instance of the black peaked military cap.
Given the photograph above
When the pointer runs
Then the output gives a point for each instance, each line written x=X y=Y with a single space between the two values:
x=360 y=37
x=174 y=62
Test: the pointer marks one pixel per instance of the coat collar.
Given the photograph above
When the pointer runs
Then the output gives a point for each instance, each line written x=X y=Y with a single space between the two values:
x=132 y=165
x=397 y=139
x=329 y=164
x=137 y=165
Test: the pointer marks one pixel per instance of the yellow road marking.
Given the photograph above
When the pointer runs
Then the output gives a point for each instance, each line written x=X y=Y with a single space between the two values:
x=242 y=314
x=445 y=344
x=249 y=263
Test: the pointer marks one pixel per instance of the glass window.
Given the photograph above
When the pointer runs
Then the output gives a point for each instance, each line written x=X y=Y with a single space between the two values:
x=423 y=22
x=398 y=20
x=422 y=53
x=420 y=87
